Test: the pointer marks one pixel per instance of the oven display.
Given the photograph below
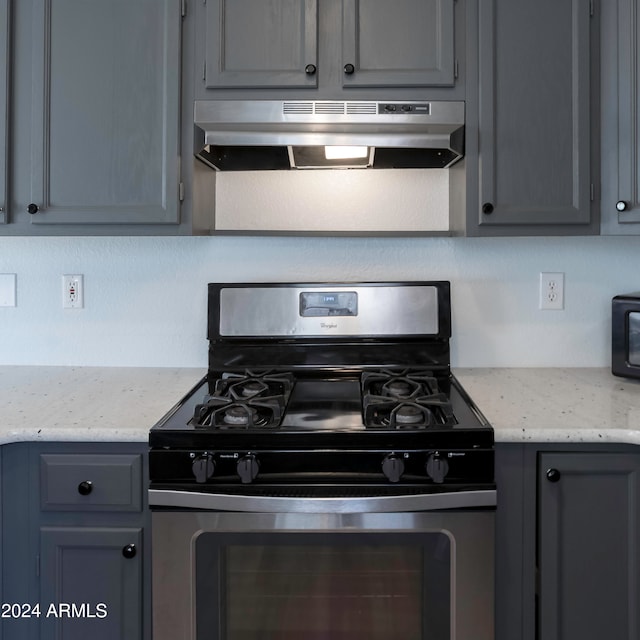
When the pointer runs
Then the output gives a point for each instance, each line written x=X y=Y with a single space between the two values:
x=328 y=303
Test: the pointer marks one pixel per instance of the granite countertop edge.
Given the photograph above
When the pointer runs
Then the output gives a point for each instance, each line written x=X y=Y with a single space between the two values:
x=121 y=404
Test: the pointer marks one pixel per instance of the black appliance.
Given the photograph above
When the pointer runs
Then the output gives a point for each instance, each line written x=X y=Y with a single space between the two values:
x=625 y=335
x=325 y=390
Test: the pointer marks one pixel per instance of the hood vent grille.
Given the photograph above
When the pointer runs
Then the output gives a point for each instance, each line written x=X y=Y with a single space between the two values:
x=370 y=108
x=297 y=107
x=329 y=108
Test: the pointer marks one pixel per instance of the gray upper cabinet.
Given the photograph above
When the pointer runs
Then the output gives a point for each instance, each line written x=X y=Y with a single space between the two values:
x=406 y=43
x=589 y=531
x=620 y=81
x=4 y=106
x=261 y=43
x=105 y=111
x=534 y=169
x=329 y=45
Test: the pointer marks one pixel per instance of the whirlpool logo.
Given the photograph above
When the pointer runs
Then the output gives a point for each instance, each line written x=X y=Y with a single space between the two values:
x=328 y=325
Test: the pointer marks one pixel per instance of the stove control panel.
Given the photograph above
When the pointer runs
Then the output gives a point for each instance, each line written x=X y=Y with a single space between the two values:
x=244 y=467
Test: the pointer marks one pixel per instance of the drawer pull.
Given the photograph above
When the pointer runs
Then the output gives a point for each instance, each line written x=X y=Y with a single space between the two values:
x=85 y=487
x=129 y=551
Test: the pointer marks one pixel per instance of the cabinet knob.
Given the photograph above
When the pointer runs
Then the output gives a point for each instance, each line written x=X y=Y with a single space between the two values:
x=85 y=487
x=33 y=208
x=621 y=205
x=349 y=68
x=129 y=551
x=553 y=475
x=487 y=208
x=310 y=69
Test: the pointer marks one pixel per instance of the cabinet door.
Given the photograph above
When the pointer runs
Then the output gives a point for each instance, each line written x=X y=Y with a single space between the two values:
x=403 y=43
x=4 y=105
x=620 y=56
x=534 y=113
x=261 y=43
x=87 y=567
x=105 y=111
x=589 y=530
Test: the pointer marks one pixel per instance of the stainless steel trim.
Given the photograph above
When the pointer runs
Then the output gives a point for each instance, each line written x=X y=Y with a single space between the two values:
x=275 y=312
x=273 y=115
x=268 y=504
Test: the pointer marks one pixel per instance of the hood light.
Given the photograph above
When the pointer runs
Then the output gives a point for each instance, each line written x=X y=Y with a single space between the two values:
x=331 y=157
x=345 y=152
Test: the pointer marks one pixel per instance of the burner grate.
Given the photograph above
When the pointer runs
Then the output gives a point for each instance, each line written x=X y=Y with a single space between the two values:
x=252 y=399
x=404 y=399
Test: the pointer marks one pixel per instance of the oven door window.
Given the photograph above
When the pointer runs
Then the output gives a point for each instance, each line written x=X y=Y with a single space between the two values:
x=309 y=586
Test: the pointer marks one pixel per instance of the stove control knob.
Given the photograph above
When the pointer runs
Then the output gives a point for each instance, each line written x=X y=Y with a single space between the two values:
x=203 y=467
x=437 y=468
x=248 y=467
x=392 y=467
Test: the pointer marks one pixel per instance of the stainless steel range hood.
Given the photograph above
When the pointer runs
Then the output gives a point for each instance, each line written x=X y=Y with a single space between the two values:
x=241 y=135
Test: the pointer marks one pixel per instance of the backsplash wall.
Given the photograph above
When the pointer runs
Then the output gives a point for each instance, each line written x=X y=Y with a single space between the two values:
x=145 y=298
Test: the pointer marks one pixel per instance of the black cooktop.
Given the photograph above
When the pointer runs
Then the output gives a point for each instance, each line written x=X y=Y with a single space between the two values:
x=312 y=409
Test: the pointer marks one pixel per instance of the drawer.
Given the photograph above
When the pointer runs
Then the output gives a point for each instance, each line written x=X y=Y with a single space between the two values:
x=90 y=482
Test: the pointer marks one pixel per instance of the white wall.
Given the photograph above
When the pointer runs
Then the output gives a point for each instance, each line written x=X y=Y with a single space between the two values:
x=145 y=298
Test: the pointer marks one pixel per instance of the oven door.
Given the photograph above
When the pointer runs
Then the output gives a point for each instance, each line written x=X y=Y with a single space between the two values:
x=310 y=575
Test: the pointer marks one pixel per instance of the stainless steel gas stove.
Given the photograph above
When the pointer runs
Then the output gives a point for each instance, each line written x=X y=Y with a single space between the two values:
x=325 y=390
x=328 y=452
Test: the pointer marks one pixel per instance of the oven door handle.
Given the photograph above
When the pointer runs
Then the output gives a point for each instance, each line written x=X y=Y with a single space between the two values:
x=272 y=504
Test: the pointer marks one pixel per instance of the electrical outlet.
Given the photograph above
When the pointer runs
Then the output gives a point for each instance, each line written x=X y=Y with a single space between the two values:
x=72 y=292
x=551 y=290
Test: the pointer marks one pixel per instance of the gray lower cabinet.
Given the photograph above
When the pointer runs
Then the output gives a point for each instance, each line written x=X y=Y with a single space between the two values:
x=91 y=583
x=568 y=542
x=310 y=44
x=531 y=162
x=4 y=106
x=589 y=543
x=620 y=86
x=76 y=541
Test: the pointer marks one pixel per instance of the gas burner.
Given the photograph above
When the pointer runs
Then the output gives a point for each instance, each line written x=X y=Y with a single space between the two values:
x=224 y=413
x=252 y=384
x=239 y=415
x=403 y=384
x=247 y=400
x=409 y=414
x=404 y=400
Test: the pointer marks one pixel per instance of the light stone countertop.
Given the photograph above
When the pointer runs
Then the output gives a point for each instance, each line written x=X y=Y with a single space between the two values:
x=556 y=405
x=87 y=404
x=121 y=404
